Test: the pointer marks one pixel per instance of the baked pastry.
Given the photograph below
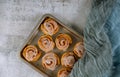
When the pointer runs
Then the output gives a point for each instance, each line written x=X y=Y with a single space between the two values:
x=63 y=72
x=46 y=43
x=68 y=59
x=63 y=41
x=31 y=53
x=50 y=61
x=49 y=27
x=79 y=49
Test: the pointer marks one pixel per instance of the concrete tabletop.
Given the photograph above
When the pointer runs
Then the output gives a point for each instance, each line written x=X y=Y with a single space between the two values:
x=17 y=20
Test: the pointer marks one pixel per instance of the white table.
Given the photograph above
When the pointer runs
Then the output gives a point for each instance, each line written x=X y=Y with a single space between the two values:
x=17 y=20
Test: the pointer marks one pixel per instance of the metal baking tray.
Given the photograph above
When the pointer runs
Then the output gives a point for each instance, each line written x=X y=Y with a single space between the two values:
x=33 y=39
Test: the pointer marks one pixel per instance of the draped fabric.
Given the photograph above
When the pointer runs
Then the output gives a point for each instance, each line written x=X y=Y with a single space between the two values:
x=101 y=41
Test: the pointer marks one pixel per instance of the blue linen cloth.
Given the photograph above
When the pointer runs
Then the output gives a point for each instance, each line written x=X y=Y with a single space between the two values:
x=101 y=41
x=112 y=28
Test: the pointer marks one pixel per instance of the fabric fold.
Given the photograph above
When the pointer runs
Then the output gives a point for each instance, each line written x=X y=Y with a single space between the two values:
x=97 y=60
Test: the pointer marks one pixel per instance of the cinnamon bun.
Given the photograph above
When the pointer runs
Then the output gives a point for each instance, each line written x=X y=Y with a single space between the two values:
x=79 y=49
x=46 y=43
x=63 y=72
x=49 y=27
x=63 y=41
x=68 y=59
x=31 y=53
x=50 y=61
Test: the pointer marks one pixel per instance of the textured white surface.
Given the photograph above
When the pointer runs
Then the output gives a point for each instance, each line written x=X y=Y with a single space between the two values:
x=19 y=17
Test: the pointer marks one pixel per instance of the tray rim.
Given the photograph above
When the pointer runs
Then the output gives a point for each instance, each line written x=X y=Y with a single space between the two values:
x=31 y=37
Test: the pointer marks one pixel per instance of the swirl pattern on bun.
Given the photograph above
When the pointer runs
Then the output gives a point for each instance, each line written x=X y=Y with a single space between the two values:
x=31 y=53
x=50 y=61
x=68 y=59
x=79 y=49
x=63 y=41
x=63 y=72
x=50 y=27
x=46 y=43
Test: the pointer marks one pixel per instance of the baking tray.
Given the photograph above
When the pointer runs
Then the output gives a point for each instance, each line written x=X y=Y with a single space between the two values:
x=33 y=39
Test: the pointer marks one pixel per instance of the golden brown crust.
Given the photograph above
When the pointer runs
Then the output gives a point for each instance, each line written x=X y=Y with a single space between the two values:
x=31 y=53
x=63 y=72
x=46 y=43
x=49 y=27
x=79 y=49
x=63 y=41
x=68 y=59
x=50 y=61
